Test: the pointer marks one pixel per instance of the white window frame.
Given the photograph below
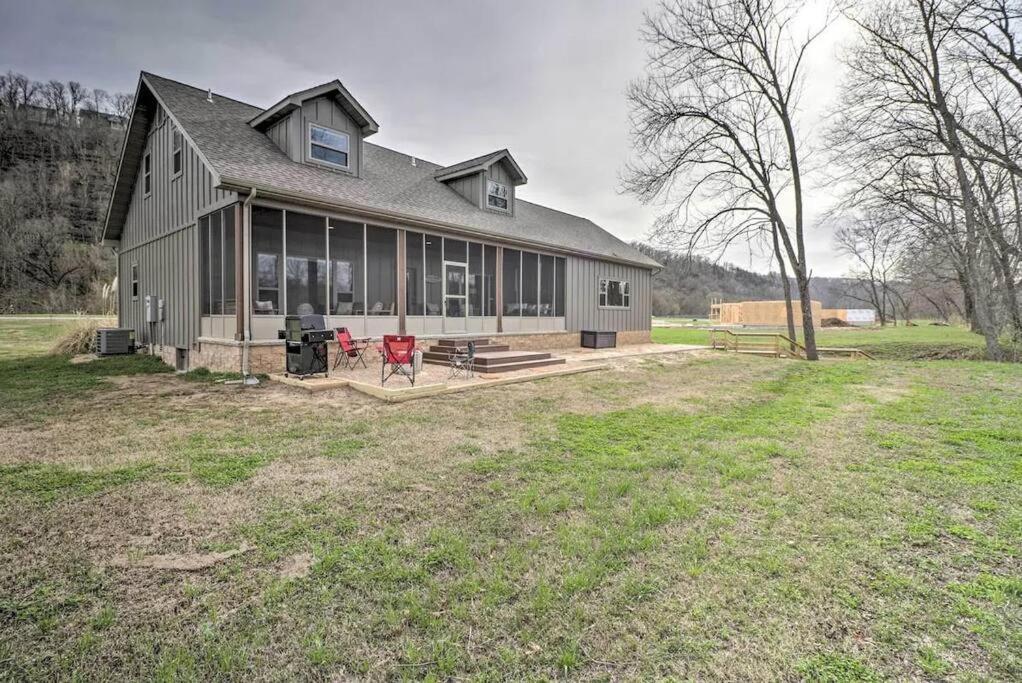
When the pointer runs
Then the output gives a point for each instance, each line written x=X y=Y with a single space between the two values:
x=147 y=174
x=134 y=281
x=328 y=164
x=489 y=194
x=603 y=289
x=177 y=165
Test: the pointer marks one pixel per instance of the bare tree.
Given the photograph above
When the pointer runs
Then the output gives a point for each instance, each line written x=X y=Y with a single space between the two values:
x=715 y=129
x=908 y=116
x=874 y=242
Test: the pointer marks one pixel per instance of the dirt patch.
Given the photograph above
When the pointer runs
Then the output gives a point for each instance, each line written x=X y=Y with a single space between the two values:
x=297 y=566
x=190 y=562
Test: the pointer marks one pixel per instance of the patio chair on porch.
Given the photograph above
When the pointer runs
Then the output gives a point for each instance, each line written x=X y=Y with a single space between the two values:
x=351 y=351
x=398 y=357
x=463 y=363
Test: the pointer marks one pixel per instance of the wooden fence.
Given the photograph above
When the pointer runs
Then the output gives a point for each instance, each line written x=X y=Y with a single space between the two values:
x=773 y=344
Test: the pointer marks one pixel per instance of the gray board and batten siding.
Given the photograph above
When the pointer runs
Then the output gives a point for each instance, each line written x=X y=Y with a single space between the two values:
x=582 y=309
x=161 y=238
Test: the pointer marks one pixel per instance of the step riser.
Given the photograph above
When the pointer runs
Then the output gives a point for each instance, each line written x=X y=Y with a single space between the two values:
x=481 y=341
x=510 y=367
x=461 y=349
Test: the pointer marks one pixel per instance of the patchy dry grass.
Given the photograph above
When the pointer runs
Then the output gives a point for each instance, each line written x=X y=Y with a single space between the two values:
x=691 y=516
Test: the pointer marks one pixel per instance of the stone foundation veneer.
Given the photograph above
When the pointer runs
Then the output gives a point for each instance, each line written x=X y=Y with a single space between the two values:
x=265 y=357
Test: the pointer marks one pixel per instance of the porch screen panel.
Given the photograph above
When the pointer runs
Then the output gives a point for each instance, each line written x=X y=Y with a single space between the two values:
x=306 y=263
x=347 y=282
x=475 y=278
x=530 y=283
x=454 y=250
x=381 y=271
x=434 y=274
x=415 y=299
x=559 y=287
x=216 y=265
x=512 y=282
x=267 y=261
x=230 y=297
x=204 y=263
x=546 y=286
x=490 y=280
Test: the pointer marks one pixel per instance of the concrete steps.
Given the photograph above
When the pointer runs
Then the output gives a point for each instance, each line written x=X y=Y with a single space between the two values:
x=490 y=358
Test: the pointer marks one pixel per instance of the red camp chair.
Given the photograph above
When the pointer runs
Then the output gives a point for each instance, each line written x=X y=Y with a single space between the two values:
x=350 y=350
x=398 y=353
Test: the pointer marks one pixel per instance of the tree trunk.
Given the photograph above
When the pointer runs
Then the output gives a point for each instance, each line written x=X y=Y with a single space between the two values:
x=786 y=286
x=808 y=331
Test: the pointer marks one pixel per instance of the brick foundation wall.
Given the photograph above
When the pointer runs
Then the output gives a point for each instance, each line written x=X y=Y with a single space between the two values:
x=225 y=356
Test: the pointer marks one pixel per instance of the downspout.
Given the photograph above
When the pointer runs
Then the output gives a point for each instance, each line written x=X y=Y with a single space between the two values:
x=246 y=278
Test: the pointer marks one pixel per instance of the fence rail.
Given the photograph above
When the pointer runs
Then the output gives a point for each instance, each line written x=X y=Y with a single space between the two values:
x=773 y=344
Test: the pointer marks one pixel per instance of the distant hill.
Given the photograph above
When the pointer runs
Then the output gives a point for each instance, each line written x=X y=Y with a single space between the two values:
x=687 y=284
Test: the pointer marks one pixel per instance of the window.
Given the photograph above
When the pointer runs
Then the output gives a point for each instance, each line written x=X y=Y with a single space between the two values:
x=134 y=282
x=216 y=265
x=530 y=283
x=559 y=288
x=512 y=282
x=415 y=293
x=347 y=281
x=381 y=271
x=614 y=294
x=176 y=155
x=204 y=263
x=475 y=278
x=230 y=301
x=496 y=195
x=546 y=286
x=305 y=245
x=490 y=279
x=434 y=274
x=328 y=146
x=147 y=174
x=268 y=260
x=454 y=250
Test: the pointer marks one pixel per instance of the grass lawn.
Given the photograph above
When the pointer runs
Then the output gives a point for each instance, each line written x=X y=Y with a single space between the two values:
x=923 y=341
x=699 y=515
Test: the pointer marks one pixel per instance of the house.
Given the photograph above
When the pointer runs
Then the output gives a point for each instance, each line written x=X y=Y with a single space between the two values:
x=226 y=217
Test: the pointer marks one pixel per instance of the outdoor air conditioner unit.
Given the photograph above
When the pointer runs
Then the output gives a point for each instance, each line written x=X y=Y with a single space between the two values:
x=112 y=341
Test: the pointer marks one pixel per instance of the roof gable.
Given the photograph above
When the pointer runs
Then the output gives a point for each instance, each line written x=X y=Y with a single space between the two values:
x=482 y=163
x=333 y=89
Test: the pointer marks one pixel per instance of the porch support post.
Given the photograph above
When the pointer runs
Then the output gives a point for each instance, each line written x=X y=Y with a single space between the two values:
x=500 y=289
x=240 y=292
x=402 y=281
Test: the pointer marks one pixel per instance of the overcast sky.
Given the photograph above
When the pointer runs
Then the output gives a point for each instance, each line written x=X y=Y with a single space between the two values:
x=445 y=80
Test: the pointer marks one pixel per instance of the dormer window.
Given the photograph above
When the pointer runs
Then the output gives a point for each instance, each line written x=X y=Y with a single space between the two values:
x=496 y=195
x=328 y=146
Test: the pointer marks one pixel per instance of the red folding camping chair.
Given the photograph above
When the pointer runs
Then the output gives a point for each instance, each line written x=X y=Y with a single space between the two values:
x=399 y=354
x=350 y=350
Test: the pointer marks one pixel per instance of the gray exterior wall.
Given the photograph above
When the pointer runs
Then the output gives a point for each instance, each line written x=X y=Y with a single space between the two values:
x=291 y=132
x=160 y=236
x=470 y=187
x=581 y=294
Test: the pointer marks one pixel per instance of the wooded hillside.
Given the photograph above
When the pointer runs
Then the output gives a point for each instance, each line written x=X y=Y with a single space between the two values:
x=59 y=145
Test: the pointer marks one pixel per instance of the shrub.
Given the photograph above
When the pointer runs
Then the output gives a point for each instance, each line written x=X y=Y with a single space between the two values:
x=80 y=337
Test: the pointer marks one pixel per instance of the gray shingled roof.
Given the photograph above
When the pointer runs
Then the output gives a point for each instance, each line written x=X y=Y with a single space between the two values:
x=480 y=163
x=243 y=157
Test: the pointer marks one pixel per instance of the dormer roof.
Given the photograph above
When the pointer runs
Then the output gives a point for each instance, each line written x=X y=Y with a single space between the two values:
x=333 y=89
x=482 y=163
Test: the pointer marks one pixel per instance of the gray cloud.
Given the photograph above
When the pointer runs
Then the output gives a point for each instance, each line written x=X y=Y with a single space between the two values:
x=446 y=80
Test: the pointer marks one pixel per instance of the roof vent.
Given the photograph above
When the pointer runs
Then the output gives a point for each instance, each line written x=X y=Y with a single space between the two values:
x=414 y=162
x=209 y=95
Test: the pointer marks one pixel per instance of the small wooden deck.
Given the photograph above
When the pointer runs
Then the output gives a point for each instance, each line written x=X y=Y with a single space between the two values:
x=491 y=358
x=774 y=344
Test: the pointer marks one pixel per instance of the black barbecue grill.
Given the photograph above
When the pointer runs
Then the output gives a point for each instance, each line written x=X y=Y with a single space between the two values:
x=305 y=345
